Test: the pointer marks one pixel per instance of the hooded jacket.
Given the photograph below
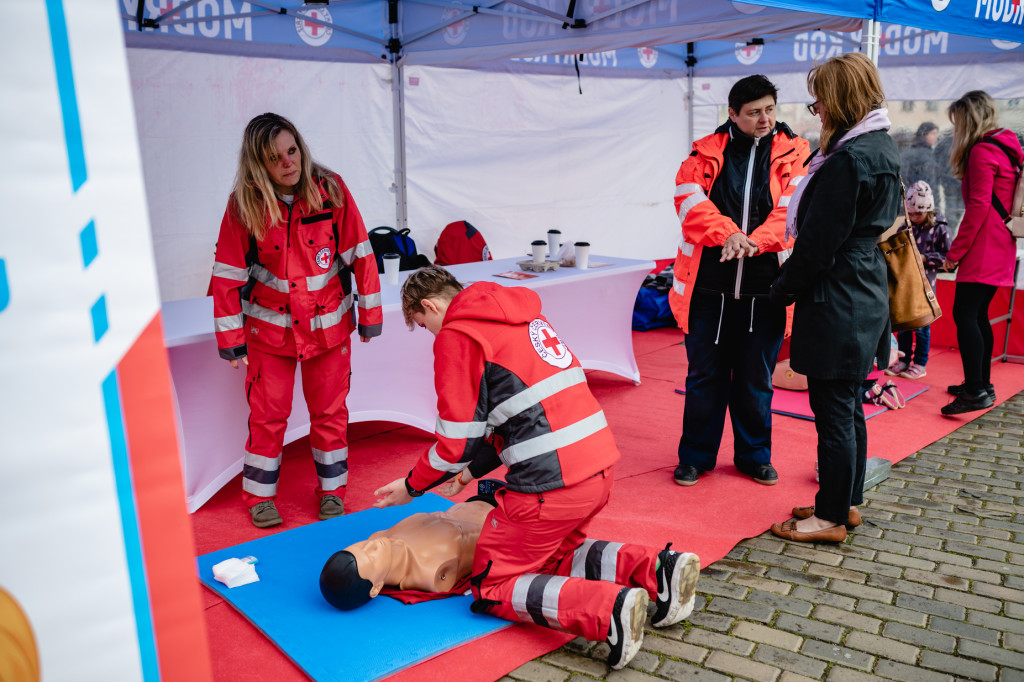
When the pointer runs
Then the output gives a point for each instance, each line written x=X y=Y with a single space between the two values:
x=986 y=250
x=705 y=225
x=291 y=292
x=508 y=387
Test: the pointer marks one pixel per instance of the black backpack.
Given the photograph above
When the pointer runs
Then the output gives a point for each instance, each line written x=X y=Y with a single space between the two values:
x=389 y=240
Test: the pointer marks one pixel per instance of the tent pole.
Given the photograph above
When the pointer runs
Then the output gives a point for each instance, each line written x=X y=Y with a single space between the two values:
x=398 y=109
x=869 y=44
x=691 y=62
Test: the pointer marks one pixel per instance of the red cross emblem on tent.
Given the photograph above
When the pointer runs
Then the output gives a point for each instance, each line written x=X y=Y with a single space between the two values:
x=548 y=346
x=313 y=32
x=312 y=27
x=648 y=56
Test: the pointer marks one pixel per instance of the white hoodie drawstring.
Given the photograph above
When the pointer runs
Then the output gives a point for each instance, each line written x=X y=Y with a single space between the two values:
x=721 y=313
x=752 y=299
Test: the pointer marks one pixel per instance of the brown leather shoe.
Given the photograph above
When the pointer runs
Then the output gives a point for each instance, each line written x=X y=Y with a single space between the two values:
x=807 y=512
x=787 y=529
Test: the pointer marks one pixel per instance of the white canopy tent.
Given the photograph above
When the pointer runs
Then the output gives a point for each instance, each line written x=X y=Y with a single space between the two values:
x=436 y=126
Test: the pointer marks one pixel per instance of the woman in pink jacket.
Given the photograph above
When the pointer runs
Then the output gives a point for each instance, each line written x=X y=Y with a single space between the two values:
x=984 y=250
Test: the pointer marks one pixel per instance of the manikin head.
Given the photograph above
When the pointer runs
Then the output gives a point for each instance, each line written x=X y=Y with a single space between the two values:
x=752 y=105
x=342 y=586
x=426 y=295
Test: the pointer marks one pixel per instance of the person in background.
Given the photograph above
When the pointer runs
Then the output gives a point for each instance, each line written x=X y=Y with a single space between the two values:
x=932 y=236
x=509 y=391
x=984 y=253
x=839 y=281
x=289 y=242
x=918 y=161
x=731 y=195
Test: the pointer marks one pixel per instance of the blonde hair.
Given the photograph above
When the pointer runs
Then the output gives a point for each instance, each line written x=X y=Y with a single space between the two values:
x=847 y=88
x=972 y=116
x=432 y=281
x=254 y=197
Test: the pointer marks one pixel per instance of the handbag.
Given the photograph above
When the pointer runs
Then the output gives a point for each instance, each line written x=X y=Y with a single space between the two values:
x=912 y=302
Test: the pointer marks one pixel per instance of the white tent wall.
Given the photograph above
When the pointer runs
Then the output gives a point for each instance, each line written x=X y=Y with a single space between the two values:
x=519 y=153
x=191 y=110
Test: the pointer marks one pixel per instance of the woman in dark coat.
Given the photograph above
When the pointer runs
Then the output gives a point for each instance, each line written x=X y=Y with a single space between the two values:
x=837 y=277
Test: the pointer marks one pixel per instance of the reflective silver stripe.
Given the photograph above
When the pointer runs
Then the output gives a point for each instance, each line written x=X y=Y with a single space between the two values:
x=784 y=255
x=579 y=559
x=330 y=456
x=230 y=272
x=327 y=320
x=685 y=247
x=265 y=464
x=609 y=561
x=519 y=592
x=784 y=200
x=228 y=323
x=367 y=301
x=439 y=464
x=793 y=182
x=688 y=187
x=460 y=429
x=549 y=598
x=679 y=287
x=363 y=248
x=549 y=442
x=267 y=315
x=267 y=278
x=691 y=201
x=534 y=394
x=318 y=282
x=261 y=462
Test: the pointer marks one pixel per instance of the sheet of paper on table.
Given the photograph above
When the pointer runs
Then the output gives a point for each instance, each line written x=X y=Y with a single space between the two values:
x=512 y=274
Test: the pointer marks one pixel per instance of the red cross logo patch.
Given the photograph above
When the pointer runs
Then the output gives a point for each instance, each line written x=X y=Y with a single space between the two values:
x=549 y=347
x=323 y=258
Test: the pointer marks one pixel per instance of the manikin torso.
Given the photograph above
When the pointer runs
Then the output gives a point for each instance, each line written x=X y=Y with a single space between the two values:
x=425 y=552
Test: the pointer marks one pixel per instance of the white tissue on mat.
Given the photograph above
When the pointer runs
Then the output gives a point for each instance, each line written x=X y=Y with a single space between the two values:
x=235 y=572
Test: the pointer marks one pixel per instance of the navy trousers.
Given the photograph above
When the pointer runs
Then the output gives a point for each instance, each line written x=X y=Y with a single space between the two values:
x=731 y=347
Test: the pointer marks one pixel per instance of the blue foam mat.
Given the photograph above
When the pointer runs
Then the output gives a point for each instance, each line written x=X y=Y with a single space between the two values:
x=368 y=643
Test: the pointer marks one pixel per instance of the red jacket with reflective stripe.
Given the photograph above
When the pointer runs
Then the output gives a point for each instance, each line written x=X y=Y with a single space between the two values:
x=290 y=293
x=704 y=225
x=507 y=383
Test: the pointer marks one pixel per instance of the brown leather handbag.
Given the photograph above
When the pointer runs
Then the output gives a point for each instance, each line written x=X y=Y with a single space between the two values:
x=912 y=302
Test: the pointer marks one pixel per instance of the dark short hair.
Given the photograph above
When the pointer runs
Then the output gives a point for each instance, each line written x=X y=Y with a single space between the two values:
x=926 y=128
x=340 y=582
x=750 y=89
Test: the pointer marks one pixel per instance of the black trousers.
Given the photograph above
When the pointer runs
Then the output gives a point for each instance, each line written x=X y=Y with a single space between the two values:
x=974 y=333
x=842 y=446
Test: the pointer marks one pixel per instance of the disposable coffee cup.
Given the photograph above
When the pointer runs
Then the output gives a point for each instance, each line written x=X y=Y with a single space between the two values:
x=582 y=255
x=554 y=242
x=539 y=247
x=392 y=262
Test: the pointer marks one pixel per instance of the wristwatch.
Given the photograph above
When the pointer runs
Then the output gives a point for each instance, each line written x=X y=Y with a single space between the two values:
x=409 y=489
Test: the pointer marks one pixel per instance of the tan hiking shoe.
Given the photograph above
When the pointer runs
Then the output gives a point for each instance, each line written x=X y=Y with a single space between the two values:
x=264 y=514
x=330 y=507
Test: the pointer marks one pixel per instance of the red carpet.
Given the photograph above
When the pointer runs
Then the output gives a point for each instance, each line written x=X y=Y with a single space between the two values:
x=647 y=507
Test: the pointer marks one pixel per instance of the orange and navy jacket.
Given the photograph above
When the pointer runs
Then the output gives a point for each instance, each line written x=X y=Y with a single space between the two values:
x=704 y=225
x=291 y=293
x=509 y=388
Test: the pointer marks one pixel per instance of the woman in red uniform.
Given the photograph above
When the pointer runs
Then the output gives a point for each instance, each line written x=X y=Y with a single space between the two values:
x=289 y=243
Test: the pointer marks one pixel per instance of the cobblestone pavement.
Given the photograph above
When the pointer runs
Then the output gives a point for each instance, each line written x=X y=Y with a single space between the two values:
x=930 y=587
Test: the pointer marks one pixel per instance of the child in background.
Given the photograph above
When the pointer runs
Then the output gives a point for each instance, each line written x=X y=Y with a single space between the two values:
x=933 y=239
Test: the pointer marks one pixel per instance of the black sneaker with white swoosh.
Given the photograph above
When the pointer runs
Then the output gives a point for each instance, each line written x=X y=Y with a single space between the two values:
x=677 y=584
x=626 y=633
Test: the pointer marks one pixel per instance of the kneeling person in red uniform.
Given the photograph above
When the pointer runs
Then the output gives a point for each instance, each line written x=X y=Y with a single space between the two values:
x=510 y=392
x=289 y=243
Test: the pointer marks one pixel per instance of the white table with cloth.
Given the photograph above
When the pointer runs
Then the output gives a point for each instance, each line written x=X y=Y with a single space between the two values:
x=392 y=375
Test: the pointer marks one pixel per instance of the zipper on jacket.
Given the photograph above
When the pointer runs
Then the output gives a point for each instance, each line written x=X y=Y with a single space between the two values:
x=746 y=211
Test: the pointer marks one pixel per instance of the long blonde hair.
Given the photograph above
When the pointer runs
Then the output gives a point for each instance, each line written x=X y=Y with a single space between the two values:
x=972 y=116
x=848 y=88
x=254 y=195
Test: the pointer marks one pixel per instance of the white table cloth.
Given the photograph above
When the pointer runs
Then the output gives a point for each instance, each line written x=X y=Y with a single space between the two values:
x=392 y=375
